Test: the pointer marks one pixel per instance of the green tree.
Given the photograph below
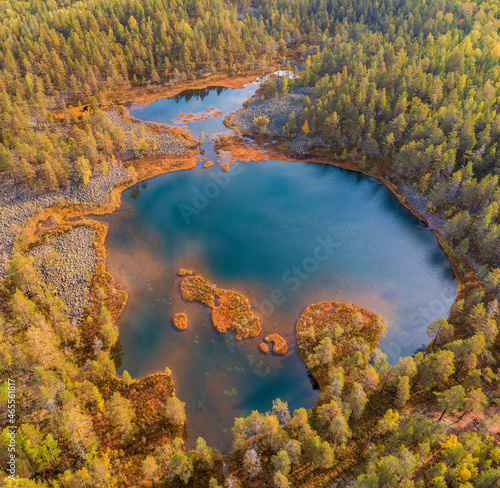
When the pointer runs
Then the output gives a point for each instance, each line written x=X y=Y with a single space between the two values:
x=357 y=400
x=174 y=411
x=437 y=368
x=261 y=122
x=333 y=422
x=282 y=462
x=403 y=391
x=120 y=413
x=83 y=169
x=389 y=422
x=441 y=331
x=280 y=480
x=181 y=465
x=109 y=331
x=321 y=453
x=206 y=456
x=150 y=469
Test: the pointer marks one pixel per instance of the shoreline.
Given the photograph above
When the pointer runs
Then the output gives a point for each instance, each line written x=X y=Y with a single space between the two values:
x=133 y=171
x=70 y=214
x=59 y=219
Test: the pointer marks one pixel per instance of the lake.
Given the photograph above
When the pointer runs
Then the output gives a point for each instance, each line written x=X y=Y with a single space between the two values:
x=284 y=234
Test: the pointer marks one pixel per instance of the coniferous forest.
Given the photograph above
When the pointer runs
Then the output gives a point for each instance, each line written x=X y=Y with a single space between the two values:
x=406 y=91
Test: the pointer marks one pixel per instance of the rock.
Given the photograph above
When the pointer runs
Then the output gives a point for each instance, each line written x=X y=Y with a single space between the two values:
x=277 y=110
x=18 y=204
x=165 y=142
x=66 y=262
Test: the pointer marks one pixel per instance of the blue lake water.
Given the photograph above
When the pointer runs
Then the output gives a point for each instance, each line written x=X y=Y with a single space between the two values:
x=285 y=234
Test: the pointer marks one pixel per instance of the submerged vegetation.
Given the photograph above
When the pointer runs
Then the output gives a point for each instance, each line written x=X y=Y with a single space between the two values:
x=407 y=91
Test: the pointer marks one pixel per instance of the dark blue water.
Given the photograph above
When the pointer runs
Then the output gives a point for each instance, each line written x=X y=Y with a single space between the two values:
x=286 y=234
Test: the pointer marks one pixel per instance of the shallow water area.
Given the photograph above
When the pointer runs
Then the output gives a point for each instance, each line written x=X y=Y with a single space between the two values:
x=201 y=112
x=284 y=234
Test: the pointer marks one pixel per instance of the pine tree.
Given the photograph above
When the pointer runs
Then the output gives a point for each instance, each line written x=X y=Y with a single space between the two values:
x=120 y=413
x=150 y=469
x=174 y=411
x=83 y=169
x=403 y=391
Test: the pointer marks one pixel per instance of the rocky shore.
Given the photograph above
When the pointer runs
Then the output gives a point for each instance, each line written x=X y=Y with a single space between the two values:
x=18 y=204
x=165 y=143
x=66 y=263
x=277 y=110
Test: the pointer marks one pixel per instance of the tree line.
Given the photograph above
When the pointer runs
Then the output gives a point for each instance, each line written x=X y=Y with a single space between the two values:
x=405 y=89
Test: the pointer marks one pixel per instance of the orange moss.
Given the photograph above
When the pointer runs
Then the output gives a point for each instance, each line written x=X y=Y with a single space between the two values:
x=208 y=164
x=225 y=166
x=238 y=149
x=280 y=345
x=184 y=272
x=264 y=347
x=232 y=310
x=180 y=321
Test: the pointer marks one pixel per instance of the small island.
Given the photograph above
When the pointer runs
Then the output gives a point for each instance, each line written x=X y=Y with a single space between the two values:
x=280 y=345
x=180 y=321
x=333 y=330
x=230 y=310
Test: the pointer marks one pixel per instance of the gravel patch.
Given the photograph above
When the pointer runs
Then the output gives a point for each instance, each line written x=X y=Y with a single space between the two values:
x=277 y=110
x=165 y=142
x=18 y=204
x=302 y=143
x=299 y=66
x=419 y=203
x=66 y=263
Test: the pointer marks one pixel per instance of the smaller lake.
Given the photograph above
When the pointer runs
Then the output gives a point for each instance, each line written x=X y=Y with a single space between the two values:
x=197 y=103
x=285 y=234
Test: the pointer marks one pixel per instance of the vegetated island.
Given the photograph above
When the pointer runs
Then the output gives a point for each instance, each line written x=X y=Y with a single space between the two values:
x=230 y=310
x=180 y=321
x=329 y=331
x=280 y=345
